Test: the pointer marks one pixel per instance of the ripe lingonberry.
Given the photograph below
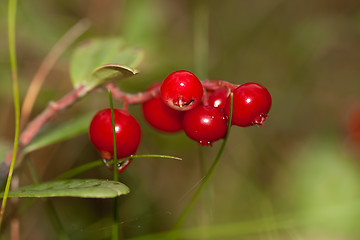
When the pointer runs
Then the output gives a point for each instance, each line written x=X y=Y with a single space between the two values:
x=205 y=124
x=218 y=97
x=251 y=104
x=181 y=90
x=127 y=131
x=160 y=116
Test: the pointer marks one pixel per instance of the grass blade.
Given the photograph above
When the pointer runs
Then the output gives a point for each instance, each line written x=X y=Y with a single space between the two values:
x=15 y=86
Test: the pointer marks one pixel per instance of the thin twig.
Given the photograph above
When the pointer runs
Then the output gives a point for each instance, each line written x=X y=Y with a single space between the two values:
x=140 y=97
x=52 y=109
x=215 y=84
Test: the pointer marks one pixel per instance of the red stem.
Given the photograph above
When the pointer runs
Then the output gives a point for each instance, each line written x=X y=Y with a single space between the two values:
x=53 y=108
x=215 y=84
x=132 y=98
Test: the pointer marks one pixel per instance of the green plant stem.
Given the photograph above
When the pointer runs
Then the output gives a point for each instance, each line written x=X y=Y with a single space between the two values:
x=87 y=166
x=206 y=197
x=192 y=201
x=115 y=177
x=155 y=156
x=115 y=229
x=13 y=65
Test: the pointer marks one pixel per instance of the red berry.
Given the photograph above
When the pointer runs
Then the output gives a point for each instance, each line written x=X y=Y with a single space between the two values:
x=205 y=124
x=162 y=117
x=127 y=130
x=181 y=90
x=159 y=115
x=218 y=97
x=251 y=104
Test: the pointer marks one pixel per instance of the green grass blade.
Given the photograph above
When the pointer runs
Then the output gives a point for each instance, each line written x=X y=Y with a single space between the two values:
x=87 y=166
x=192 y=201
x=115 y=229
x=155 y=156
x=13 y=65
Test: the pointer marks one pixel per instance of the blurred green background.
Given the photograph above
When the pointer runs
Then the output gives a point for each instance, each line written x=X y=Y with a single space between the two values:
x=297 y=177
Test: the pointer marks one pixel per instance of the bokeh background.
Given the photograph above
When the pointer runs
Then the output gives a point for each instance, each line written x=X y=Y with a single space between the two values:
x=296 y=177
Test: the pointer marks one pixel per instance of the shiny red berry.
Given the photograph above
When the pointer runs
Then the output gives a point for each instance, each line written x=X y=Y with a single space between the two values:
x=218 y=97
x=205 y=124
x=127 y=130
x=251 y=104
x=162 y=117
x=181 y=90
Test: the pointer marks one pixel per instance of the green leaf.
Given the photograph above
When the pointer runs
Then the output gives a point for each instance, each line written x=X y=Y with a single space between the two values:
x=53 y=134
x=102 y=53
x=108 y=73
x=84 y=188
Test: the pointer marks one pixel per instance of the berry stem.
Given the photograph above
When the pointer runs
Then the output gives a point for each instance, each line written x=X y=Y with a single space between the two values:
x=53 y=108
x=215 y=84
x=132 y=98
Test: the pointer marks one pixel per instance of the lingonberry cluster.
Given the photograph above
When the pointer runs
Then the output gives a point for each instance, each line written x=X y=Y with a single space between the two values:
x=182 y=102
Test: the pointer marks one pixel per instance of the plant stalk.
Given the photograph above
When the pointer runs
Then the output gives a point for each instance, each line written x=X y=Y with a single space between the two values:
x=211 y=170
x=15 y=86
x=115 y=229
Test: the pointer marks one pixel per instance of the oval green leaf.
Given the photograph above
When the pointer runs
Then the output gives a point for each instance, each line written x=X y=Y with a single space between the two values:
x=97 y=53
x=83 y=188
